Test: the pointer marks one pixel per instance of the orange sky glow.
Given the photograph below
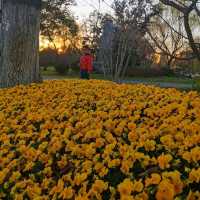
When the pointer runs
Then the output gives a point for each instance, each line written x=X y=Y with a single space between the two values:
x=58 y=43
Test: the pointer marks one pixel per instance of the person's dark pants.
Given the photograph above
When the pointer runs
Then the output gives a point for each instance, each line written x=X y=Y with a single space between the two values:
x=85 y=75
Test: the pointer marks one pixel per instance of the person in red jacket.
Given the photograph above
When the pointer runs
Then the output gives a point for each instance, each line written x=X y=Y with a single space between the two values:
x=86 y=63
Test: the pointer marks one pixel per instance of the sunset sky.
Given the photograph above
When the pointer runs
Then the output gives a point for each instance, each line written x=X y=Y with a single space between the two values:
x=84 y=7
x=81 y=11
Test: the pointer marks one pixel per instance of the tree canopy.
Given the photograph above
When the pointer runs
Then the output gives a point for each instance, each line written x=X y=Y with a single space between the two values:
x=56 y=16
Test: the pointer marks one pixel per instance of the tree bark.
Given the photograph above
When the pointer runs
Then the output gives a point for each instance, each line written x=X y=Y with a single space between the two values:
x=19 y=42
x=190 y=36
x=169 y=62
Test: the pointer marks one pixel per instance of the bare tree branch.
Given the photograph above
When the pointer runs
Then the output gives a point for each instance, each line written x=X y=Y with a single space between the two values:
x=175 y=5
x=186 y=10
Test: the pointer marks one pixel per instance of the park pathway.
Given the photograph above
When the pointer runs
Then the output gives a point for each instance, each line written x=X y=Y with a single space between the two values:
x=182 y=86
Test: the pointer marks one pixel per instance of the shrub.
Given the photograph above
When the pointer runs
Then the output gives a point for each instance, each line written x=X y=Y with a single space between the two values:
x=62 y=62
x=99 y=140
x=61 y=69
x=144 y=72
x=149 y=72
x=48 y=58
x=66 y=61
x=167 y=71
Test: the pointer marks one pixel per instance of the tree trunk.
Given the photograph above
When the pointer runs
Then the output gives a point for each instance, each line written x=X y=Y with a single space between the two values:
x=190 y=37
x=19 y=42
x=169 y=62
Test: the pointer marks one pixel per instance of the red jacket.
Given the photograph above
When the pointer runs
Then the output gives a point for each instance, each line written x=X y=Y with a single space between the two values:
x=86 y=63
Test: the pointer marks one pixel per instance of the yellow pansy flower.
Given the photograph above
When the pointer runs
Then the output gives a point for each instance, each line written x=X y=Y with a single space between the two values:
x=164 y=161
x=165 y=191
x=126 y=187
x=194 y=175
x=154 y=180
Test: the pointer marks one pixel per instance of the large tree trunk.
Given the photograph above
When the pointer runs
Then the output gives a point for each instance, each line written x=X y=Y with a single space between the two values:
x=19 y=42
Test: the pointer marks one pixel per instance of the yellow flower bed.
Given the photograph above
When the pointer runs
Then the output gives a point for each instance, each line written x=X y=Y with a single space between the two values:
x=98 y=140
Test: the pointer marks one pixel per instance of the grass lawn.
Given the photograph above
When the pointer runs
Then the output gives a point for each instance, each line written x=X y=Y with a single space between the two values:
x=51 y=72
x=55 y=75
